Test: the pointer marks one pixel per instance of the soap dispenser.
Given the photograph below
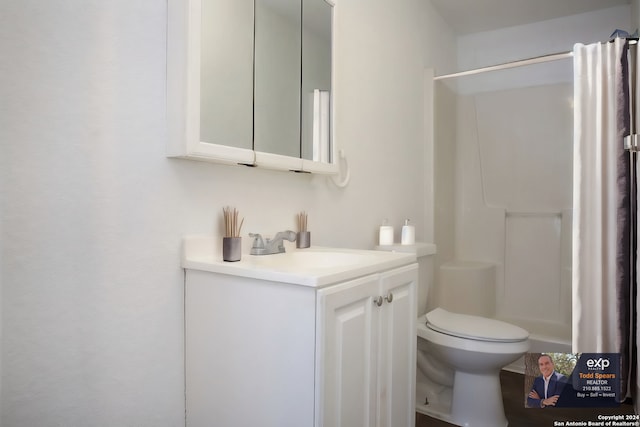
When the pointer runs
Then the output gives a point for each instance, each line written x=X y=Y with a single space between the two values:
x=408 y=234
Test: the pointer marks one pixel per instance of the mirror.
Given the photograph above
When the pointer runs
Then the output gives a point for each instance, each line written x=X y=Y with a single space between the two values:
x=249 y=82
x=226 y=73
x=316 y=81
x=277 y=58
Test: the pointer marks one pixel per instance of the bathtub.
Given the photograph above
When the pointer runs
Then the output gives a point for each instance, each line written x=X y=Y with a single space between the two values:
x=545 y=337
x=470 y=287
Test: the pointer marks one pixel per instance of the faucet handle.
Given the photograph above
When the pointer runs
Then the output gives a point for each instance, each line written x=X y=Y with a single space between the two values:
x=258 y=243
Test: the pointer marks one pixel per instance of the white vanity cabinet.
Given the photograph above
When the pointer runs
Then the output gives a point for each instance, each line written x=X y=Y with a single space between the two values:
x=272 y=354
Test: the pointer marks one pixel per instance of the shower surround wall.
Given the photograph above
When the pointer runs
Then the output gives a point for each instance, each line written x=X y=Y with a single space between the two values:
x=513 y=200
x=503 y=150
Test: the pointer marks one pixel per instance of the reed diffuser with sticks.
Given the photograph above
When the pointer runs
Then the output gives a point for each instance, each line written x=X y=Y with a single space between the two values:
x=231 y=241
x=232 y=227
x=303 y=238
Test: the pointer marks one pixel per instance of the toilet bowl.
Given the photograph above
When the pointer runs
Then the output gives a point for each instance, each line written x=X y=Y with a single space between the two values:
x=472 y=350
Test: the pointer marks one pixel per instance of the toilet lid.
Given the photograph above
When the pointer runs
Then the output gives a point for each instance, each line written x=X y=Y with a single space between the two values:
x=474 y=327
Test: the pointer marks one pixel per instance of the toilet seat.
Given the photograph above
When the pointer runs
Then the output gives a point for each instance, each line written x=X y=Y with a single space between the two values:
x=474 y=327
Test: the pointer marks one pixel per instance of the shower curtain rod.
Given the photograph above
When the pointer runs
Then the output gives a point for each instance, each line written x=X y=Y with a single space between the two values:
x=529 y=61
x=506 y=65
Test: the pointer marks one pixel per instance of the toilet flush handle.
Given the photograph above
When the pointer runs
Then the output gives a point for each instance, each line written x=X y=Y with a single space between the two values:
x=389 y=297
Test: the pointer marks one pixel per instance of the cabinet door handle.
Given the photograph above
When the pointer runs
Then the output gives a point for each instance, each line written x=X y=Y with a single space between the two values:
x=378 y=300
x=389 y=297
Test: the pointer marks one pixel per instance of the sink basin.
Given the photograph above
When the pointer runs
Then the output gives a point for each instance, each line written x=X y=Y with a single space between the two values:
x=310 y=259
x=315 y=266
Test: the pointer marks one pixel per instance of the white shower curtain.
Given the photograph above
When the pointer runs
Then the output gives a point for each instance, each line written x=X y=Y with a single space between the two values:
x=601 y=213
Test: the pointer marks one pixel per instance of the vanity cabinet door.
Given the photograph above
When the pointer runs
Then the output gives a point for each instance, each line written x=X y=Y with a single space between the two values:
x=367 y=351
x=349 y=322
x=397 y=375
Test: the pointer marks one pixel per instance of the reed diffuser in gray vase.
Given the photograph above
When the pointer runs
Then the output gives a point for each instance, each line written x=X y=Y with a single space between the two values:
x=303 y=237
x=231 y=242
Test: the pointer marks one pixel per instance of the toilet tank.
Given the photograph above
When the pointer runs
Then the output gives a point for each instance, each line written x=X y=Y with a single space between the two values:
x=425 y=255
x=467 y=287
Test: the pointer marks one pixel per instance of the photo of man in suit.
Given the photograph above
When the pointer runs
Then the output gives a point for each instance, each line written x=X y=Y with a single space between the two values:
x=548 y=386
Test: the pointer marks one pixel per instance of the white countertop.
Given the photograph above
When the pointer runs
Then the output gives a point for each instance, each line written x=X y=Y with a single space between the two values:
x=315 y=266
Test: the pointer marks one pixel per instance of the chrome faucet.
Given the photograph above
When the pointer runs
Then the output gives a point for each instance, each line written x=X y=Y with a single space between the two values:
x=271 y=246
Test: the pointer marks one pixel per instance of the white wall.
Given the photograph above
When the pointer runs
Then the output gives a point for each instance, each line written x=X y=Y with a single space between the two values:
x=92 y=212
x=540 y=38
x=440 y=129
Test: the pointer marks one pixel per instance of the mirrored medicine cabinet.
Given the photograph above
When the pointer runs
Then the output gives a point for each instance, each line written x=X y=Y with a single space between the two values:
x=250 y=82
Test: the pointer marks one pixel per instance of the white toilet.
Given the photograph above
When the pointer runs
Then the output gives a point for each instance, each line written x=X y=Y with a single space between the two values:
x=472 y=350
x=460 y=353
